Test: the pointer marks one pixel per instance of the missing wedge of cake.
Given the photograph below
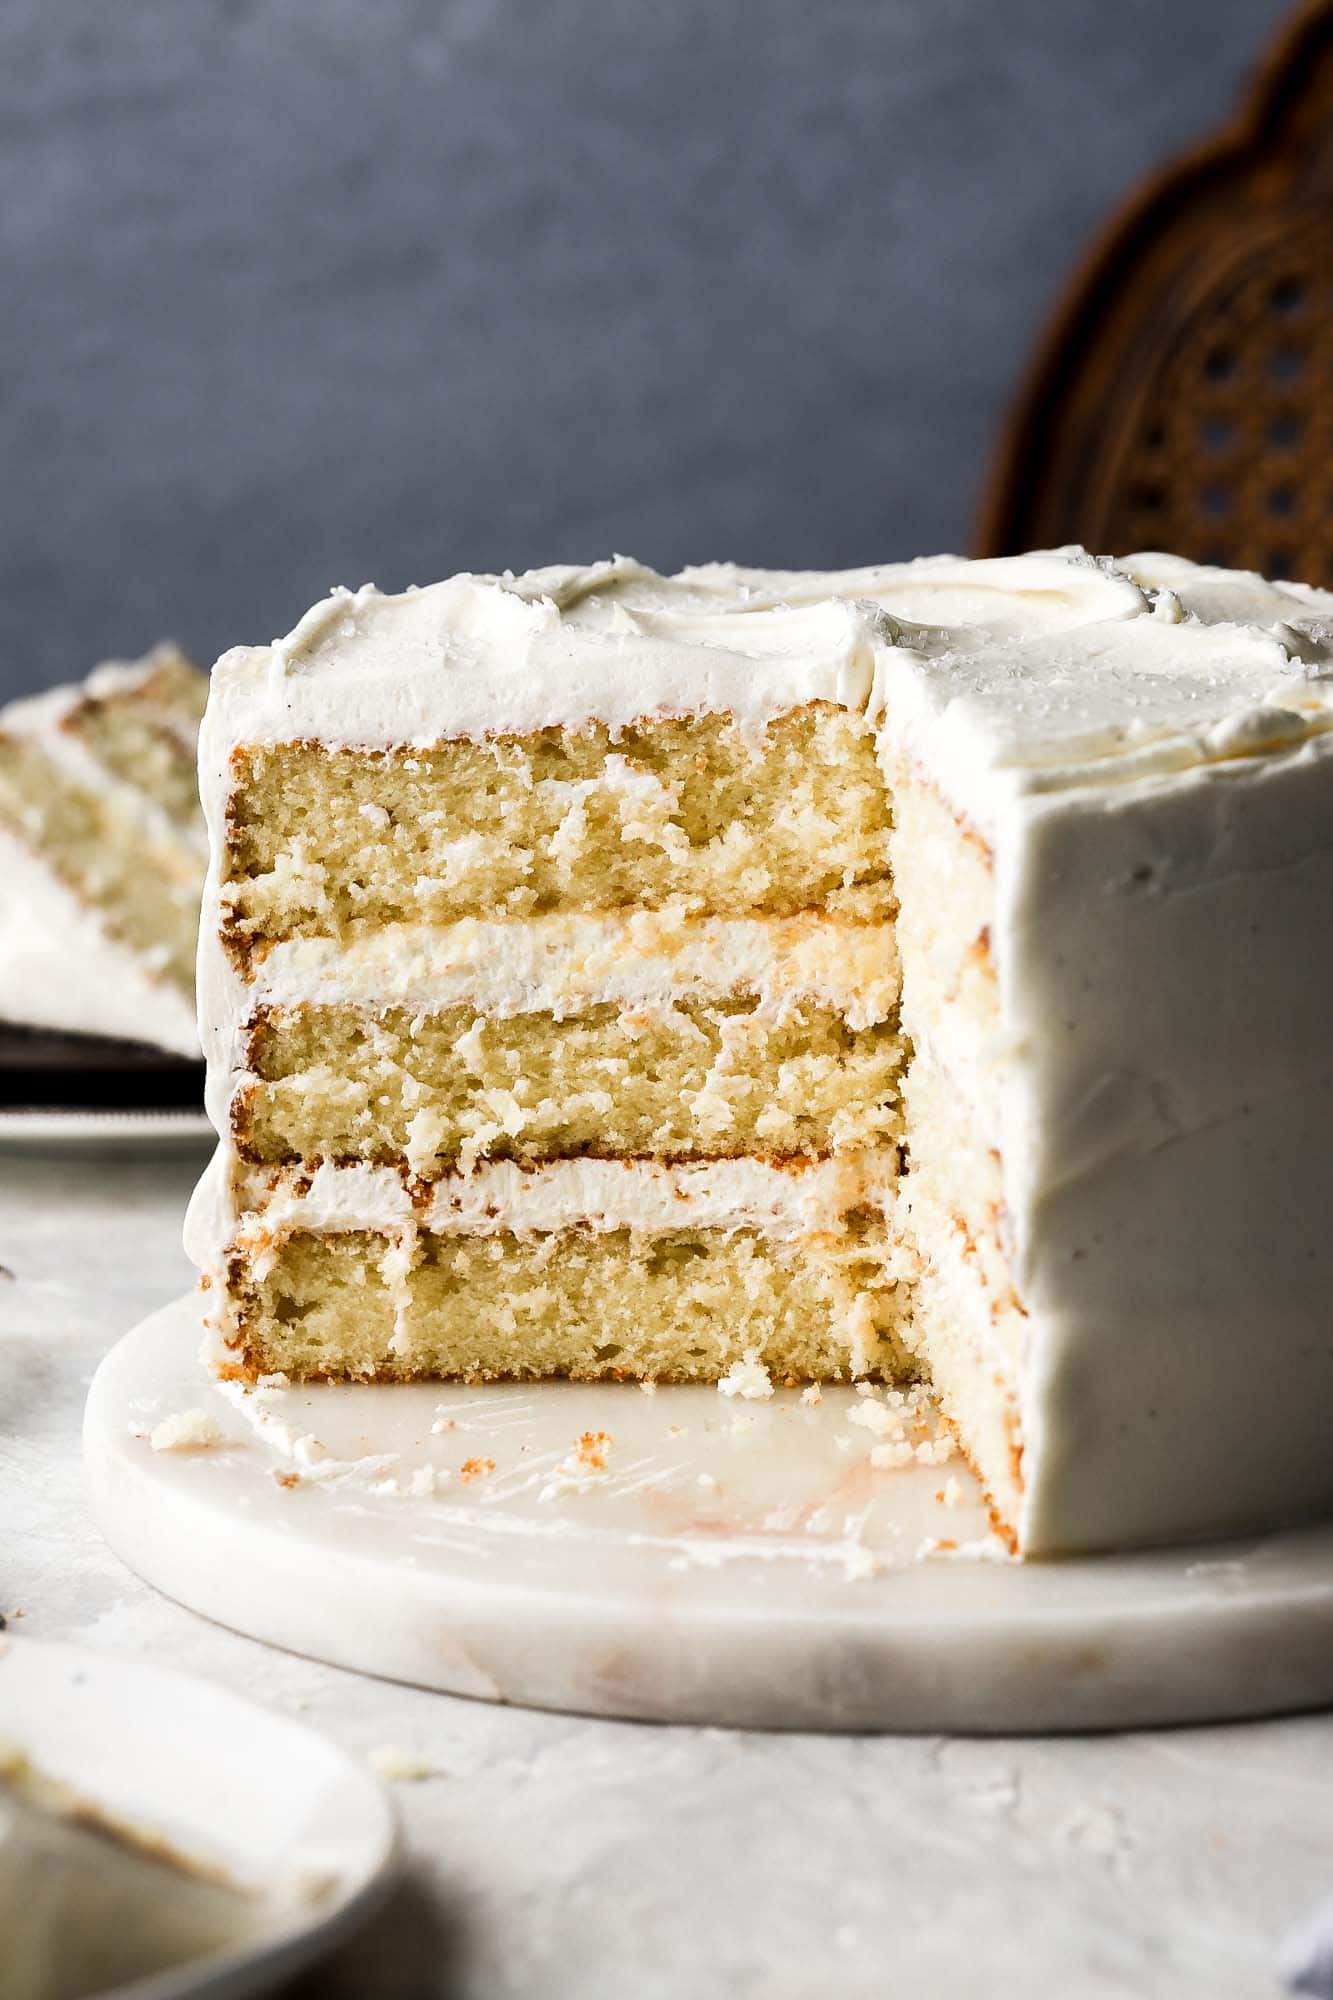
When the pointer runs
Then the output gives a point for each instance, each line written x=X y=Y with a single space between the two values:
x=912 y=972
x=102 y=854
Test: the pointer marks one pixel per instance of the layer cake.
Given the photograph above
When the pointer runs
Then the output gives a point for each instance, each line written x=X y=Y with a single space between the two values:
x=912 y=972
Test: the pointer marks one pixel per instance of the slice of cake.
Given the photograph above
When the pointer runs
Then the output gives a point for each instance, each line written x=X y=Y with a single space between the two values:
x=551 y=999
x=102 y=853
x=90 y=1902
x=550 y=989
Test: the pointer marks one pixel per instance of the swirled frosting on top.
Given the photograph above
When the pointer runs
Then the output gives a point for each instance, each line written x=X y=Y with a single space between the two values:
x=1018 y=673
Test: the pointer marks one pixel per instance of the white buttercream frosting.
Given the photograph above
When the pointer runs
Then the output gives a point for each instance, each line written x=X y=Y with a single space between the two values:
x=1107 y=703
x=478 y=655
x=560 y=964
x=1038 y=662
x=258 y=1207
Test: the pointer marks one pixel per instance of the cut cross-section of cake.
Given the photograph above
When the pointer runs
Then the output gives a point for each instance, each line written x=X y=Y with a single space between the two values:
x=102 y=853
x=551 y=993
x=550 y=988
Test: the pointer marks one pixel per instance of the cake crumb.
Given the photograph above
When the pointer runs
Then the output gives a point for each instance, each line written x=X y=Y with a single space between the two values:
x=858 y=1561
x=398 y=1766
x=580 y=1469
x=427 y=1481
x=986 y=1548
x=812 y=1396
x=747 y=1377
x=188 y=1430
x=648 y=1386
x=475 y=1468
x=886 y=1457
x=876 y=1417
x=935 y=1451
x=592 y=1448
x=441 y=1425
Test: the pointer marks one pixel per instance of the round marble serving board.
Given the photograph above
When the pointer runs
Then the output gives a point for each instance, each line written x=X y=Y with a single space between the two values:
x=737 y=1563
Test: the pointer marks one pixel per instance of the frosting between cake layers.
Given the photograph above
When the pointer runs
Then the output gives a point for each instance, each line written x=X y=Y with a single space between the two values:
x=789 y=1200
x=560 y=963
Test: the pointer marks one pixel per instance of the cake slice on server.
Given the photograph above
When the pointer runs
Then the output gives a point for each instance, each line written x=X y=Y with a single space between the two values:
x=551 y=995
x=102 y=853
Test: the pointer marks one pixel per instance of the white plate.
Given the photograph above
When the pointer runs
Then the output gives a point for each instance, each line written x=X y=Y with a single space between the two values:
x=736 y=1563
x=102 y=1128
x=220 y=1778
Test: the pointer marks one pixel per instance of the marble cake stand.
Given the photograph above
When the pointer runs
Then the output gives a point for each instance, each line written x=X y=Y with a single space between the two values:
x=737 y=1563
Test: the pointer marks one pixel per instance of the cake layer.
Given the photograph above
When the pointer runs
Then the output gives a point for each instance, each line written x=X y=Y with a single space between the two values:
x=698 y=1079
x=686 y=1306
x=146 y=890
x=693 y=812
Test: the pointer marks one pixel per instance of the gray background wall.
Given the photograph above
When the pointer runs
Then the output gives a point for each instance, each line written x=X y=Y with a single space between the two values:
x=310 y=291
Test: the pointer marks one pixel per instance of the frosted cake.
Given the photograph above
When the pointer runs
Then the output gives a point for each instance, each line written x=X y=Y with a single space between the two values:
x=102 y=854
x=913 y=972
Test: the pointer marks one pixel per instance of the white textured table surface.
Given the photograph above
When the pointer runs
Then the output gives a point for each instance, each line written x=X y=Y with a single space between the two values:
x=555 y=1856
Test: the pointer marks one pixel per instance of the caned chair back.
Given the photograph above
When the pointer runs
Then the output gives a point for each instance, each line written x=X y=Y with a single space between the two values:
x=1183 y=398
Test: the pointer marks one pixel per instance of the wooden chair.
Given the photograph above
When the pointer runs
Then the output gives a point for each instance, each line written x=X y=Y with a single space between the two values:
x=1183 y=397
